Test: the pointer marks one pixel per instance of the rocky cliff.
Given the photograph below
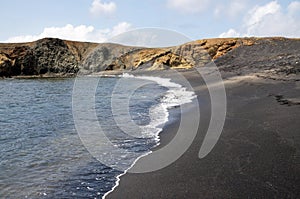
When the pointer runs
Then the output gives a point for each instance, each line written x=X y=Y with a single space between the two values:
x=54 y=56
x=43 y=56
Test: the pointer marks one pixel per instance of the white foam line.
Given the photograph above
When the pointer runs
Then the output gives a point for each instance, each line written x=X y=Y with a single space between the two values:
x=165 y=82
x=116 y=185
x=118 y=177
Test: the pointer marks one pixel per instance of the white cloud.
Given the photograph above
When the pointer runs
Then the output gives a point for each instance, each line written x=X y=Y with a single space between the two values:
x=230 y=33
x=77 y=33
x=258 y=13
x=188 y=6
x=99 y=8
x=270 y=20
x=120 y=28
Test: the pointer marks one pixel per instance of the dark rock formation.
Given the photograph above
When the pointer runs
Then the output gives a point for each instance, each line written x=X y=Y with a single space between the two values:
x=274 y=58
x=45 y=56
x=104 y=56
x=51 y=55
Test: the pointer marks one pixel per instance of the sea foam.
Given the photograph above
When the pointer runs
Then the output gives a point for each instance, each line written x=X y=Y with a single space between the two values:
x=175 y=96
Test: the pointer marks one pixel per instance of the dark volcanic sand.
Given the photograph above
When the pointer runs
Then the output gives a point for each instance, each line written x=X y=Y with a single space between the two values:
x=257 y=155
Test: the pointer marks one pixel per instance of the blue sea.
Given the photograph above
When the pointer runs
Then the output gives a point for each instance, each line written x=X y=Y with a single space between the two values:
x=48 y=144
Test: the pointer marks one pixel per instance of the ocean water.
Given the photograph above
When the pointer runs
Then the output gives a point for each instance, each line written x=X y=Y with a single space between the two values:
x=43 y=154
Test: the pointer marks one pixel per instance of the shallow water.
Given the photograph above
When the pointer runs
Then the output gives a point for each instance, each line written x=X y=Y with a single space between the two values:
x=42 y=155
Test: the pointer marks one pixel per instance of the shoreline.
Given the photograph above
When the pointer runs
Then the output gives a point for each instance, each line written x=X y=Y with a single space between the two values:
x=258 y=145
x=253 y=150
x=173 y=116
x=165 y=136
x=158 y=73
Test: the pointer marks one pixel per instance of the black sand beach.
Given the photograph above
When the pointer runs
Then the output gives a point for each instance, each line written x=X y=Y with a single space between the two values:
x=257 y=155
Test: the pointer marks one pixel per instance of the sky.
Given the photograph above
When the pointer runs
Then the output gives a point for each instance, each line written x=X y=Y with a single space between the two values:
x=99 y=20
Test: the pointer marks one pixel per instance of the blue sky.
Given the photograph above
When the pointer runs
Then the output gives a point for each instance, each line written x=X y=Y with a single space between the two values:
x=98 y=20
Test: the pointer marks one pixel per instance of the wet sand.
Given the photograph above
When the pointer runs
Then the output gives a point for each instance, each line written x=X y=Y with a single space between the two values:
x=257 y=155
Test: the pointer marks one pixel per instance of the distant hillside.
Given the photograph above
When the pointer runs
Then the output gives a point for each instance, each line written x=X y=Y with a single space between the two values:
x=54 y=56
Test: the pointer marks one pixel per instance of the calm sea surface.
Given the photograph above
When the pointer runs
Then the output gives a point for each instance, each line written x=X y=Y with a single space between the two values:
x=42 y=155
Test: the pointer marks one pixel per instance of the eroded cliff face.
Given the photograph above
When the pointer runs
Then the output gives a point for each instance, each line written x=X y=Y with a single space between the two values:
x=55 y=56
x=189 y=55
x=149 y=59
x=38 y=58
